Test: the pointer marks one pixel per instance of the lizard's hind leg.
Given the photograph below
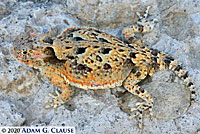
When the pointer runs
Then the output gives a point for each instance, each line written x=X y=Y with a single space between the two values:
x=130 y=85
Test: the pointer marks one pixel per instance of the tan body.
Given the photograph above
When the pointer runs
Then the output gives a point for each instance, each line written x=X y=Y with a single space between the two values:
x=91 y=59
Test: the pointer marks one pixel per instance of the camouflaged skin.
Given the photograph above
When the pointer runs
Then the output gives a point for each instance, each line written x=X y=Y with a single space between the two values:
x=92 y=59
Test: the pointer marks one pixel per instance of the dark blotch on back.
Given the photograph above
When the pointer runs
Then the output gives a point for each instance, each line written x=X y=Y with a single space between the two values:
x=70 y=35
x=120 y=45
x=73 y=30
x=98 y=58
x=77 y=39
x=105 y=50
x=88 y=69
x=93 y=34
x=96 y=46
x=103 y=40
x=138 y=74
x=106 y=66
x=96 y=30
x=67 y=41
x=117 y=40
x=68 y=47
x=71 y=57
x=121 y=50
x=133 y=55
x=84 y=68
x=81 y=67
x=131 y=46
x=80 y=50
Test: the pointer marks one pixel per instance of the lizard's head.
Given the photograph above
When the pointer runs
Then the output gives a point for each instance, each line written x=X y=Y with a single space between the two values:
x=32 y=56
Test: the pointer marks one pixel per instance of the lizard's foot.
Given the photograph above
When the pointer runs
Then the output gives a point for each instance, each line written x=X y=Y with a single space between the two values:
x=139 y=110
x=55 y=101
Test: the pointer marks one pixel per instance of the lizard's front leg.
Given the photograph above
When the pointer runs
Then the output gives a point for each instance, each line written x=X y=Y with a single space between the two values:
x=59 y=80
x=144 y=25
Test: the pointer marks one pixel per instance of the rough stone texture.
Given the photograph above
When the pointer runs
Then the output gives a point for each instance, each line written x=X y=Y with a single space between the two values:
x=4 y=11
x=106 y=13
x=9 y=114
x=23 y=90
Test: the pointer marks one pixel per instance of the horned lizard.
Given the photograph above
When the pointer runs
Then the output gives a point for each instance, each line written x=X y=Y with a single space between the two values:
x=92 y=59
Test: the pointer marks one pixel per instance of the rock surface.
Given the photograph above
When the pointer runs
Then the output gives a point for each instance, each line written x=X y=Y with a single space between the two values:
x=23 y=90
x=9 y=114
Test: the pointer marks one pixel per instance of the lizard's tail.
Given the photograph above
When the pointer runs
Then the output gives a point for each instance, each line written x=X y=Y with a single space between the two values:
x=166 y=62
